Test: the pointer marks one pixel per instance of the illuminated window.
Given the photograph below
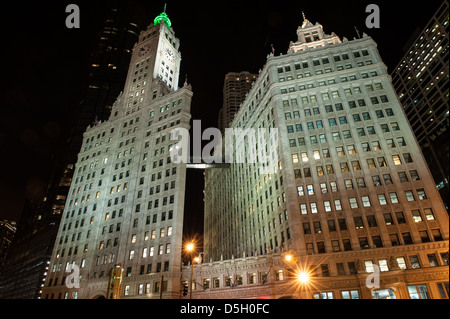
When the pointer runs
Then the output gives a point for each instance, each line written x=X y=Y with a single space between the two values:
x=303 y=209
x=428 y=213
x=369 y=266
x=421 y=194
x=350 y=294
x=410 y=196
x=396 y=159
x=418 y=292
x=365 y=201
x=304 y=156
x=353 y=202
x=383 y=265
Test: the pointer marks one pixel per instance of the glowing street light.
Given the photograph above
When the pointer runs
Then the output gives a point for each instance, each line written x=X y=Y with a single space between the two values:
x=190 y=247
x=303 y=277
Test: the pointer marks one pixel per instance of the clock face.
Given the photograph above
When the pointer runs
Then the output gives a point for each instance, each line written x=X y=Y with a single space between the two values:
x=144 y=50
x=169 y=55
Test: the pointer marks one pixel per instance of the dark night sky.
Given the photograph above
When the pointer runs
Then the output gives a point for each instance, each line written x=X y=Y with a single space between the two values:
x=44 y=66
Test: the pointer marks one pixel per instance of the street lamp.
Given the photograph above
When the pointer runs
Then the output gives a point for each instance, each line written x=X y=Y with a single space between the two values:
x=190 y=249
x=302 y=277
x=299 y=274
x=288 y=257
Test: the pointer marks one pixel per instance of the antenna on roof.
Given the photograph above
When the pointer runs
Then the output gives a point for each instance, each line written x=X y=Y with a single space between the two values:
x=357 y=32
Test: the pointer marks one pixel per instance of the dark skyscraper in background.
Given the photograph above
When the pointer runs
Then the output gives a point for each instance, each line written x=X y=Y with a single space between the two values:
x=26 y=265
x=235 y=88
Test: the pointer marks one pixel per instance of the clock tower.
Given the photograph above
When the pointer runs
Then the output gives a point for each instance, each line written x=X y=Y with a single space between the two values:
x=134 y=194
x=155 y=63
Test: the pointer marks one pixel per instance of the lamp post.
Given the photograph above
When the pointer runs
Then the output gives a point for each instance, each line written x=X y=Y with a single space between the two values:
x=190 y=249
x=301 y=276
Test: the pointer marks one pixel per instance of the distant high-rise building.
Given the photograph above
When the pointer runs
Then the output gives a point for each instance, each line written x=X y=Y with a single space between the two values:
x=31 y=249
x=236 y=86
x=341 y=191
x=125 y=207
x=7 y=231
x=422 y=79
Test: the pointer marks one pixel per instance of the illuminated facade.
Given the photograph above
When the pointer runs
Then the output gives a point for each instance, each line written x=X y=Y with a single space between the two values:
x=421 y=79
x=351 y=190
x=26 y=267
x=126 y=201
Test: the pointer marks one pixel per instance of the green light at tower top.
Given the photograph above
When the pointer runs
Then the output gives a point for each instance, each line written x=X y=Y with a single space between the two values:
x=163 y=17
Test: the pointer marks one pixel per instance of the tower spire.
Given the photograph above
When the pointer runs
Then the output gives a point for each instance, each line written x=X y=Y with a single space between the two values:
x=163 y=18
x=306 y=22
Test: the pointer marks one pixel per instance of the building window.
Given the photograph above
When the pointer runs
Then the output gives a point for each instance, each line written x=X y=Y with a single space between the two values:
x=350 y=294
x=382 y=199
x=394 y=239
x=432 y=260
x=321 y=247
x=436 y=233
x=428 y=213
x=421 y=194
x=443 y=289
x=410 y=196
x=383 y=265
x=393 y=197
x=400 y=217
x=358 y=222
x=383 y=294
x=353 y=202
x=416 y=215
x=407 y=157
x=303 y=209
x=365 y=201
x=388 y=219
x=368 y=264
x=414 y=175
x=323 y=295
x=407 y=238
x=418 y=292
x=403 y=177
x=335 y=245
x=279 y=275
x=414 y=260
x=401 y=262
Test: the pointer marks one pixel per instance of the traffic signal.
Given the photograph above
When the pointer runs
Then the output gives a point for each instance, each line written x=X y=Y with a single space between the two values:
x=185 y=290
